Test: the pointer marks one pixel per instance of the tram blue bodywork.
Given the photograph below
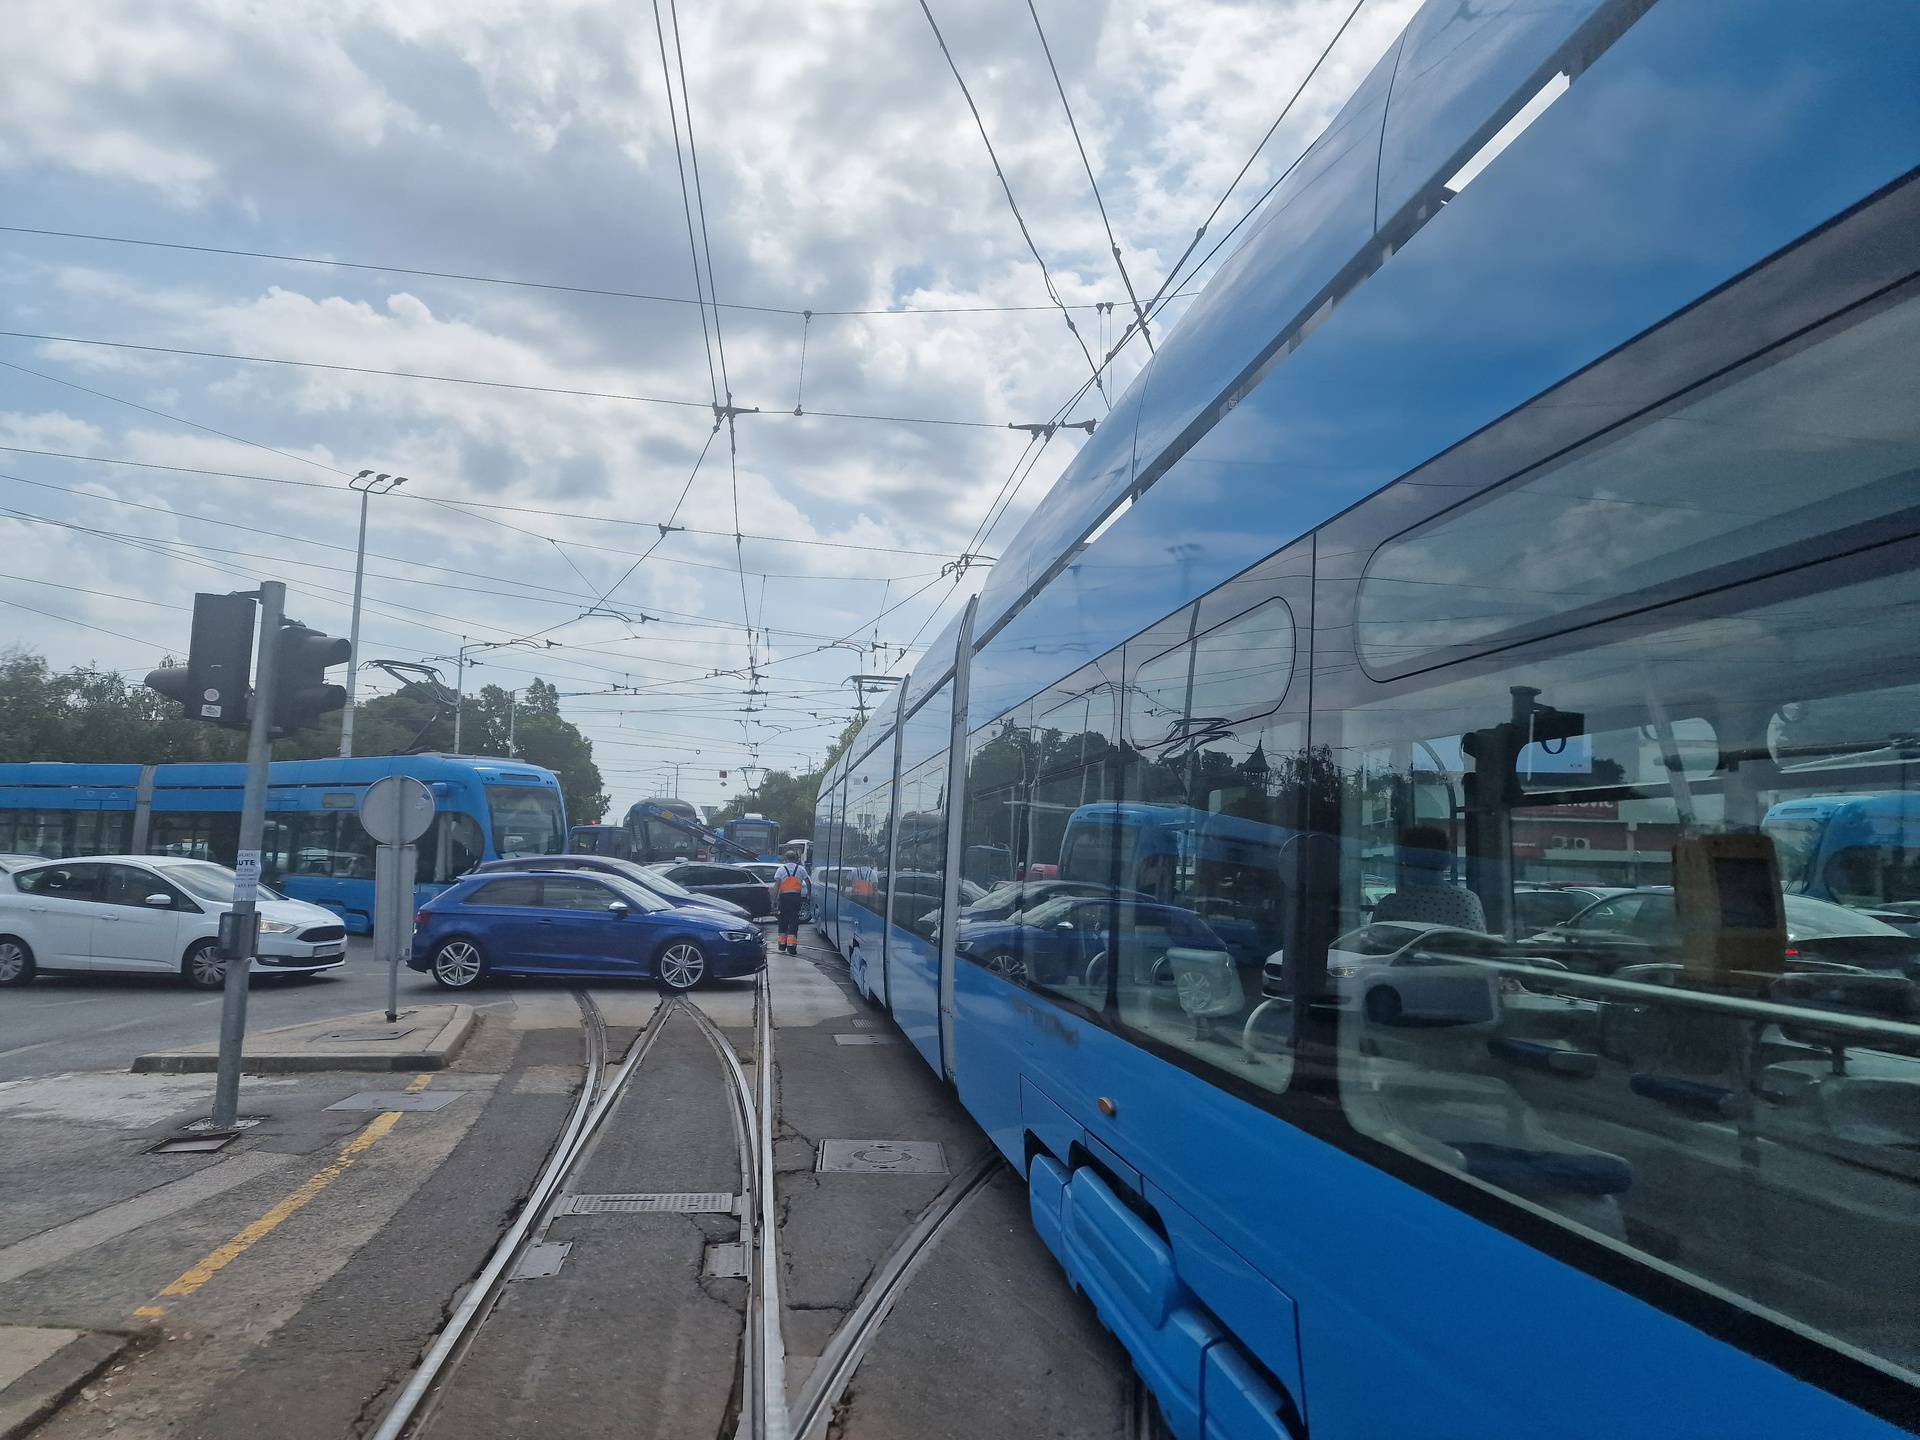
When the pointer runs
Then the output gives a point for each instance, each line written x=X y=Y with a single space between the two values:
x=1399 y=453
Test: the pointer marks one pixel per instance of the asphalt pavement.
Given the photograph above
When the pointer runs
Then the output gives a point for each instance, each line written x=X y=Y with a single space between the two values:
x=62 y=1023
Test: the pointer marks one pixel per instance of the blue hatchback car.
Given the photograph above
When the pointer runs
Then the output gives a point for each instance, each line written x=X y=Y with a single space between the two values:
x=577 y=926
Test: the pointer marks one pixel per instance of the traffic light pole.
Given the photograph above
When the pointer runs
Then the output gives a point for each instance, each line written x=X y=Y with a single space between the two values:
x=244 y=923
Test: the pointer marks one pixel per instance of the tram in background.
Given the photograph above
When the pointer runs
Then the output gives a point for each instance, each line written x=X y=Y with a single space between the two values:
x=314 y=847
x=1547 y=447
x=755 y=834
x=664 y=829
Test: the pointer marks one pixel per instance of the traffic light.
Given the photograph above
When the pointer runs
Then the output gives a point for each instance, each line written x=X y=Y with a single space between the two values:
x=301 y=691
x=212 y=685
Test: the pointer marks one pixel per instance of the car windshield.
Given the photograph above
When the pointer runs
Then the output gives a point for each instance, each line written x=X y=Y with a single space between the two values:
x=205 y=880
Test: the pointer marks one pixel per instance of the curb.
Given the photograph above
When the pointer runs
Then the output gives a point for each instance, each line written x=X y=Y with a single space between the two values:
x=437 y=1054
x=36 y=1395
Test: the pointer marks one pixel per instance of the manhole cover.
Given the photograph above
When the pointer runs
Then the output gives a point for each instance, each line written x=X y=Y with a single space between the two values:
x=397 y=1100
x=894 y=1157
x=542 y=1260
x=699 y=1202
x=868 y=1038
x=726 y=1261
x=371 y=1033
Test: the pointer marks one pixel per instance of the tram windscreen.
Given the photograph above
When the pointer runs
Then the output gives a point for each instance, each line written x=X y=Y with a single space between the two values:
x=526 y=821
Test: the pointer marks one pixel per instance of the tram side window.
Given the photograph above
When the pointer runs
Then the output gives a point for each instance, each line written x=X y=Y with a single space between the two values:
x=1691 y=1063
x=46 y=833
x=1214 y=794
x=921 y=851
x=195 y=835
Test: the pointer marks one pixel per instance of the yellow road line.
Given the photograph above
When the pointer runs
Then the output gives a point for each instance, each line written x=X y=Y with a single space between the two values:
x=419 y=1083
x=217 y=1260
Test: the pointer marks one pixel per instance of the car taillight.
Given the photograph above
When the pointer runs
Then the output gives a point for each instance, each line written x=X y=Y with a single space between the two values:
x=419 y=917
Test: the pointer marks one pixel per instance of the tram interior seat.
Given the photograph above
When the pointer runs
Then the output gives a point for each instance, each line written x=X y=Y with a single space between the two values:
x=1207 y=983
x=1437 y=1089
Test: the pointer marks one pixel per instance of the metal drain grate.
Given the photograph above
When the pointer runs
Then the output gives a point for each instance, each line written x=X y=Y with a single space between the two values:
x=397 y=1100
x=866 y=1038
x=699 y=1202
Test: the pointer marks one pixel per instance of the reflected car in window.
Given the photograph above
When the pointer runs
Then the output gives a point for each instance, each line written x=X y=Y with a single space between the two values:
x=1064 y=940
x=1642 y=927
x=576 y=925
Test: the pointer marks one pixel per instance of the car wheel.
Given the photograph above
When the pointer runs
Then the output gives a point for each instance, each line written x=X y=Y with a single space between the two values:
x=459 y=964
x=16 y=961
x=1383 y=1005
x=1008 y=966
x=203 y=968
x=680 y=966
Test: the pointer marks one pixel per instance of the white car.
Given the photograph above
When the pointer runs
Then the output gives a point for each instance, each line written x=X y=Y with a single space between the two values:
x=149 y=915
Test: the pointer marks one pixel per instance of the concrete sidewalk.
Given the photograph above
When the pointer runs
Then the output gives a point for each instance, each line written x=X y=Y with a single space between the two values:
x=41 y=1366
x=425 y=1037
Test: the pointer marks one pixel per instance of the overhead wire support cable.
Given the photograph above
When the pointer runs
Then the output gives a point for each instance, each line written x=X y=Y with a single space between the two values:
x=519 y=385
x=476 y=505
x=602 y=291
x=1078 y=144
x=1007 y=188
x=699 y=288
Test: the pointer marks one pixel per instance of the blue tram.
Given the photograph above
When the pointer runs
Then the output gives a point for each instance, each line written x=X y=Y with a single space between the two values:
x=1528 y=459
x=314 y=847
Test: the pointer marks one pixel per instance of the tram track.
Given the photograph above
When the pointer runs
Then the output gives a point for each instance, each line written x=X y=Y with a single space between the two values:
x=600 y=1088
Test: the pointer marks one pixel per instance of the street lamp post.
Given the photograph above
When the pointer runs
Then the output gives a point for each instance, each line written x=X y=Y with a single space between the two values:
x=460 y=663
x=369 y=485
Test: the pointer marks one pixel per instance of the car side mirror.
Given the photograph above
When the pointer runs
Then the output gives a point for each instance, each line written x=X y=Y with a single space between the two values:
x=1064 y=925
x=618 y=909
x=159 y=902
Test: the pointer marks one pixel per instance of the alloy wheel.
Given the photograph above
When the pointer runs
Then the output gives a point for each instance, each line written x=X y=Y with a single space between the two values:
x=457 y=964
x=13 y=962
x=682 y=966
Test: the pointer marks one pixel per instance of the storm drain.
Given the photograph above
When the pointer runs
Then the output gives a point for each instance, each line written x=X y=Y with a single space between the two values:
x=867 y=1038
x=726 y=1261
x=193 y=1144
x=541 y=1261
x=698 y=1202
x=885 y=1157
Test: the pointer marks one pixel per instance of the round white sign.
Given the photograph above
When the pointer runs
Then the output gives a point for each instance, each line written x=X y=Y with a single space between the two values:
x=396 y=810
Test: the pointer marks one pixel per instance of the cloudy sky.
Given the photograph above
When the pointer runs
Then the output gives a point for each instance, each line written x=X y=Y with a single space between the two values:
x=534 y=141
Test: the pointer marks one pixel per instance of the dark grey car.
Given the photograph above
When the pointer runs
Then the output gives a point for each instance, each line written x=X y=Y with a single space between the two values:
x=724 y=882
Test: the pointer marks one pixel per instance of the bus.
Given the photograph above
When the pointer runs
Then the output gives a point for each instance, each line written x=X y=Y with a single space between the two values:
x=1532 y=497
x=754 y=833
x=314 y=847
x=1861 y=851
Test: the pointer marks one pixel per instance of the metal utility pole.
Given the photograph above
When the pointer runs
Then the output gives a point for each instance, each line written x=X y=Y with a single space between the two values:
x=368 y=484
x=243 y=922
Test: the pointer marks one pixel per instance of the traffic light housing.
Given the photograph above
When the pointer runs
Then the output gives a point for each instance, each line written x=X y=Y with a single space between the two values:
x=301 y=691
x=212 y=685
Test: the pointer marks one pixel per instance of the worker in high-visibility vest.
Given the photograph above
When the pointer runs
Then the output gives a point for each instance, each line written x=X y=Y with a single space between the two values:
x=791 y=886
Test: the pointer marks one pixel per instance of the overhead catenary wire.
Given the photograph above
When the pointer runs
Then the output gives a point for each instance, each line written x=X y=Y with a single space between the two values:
x=518 y=386
x=480 y=505
x=1125 y=279
x=1007 y=189
x=597 y=291
x=686 y=207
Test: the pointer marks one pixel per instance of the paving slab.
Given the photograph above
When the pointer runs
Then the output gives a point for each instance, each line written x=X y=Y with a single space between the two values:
x=425 y=1037
x=40 y=1366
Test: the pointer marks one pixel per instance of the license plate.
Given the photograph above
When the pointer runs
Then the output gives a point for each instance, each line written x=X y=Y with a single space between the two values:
x=330 y=952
